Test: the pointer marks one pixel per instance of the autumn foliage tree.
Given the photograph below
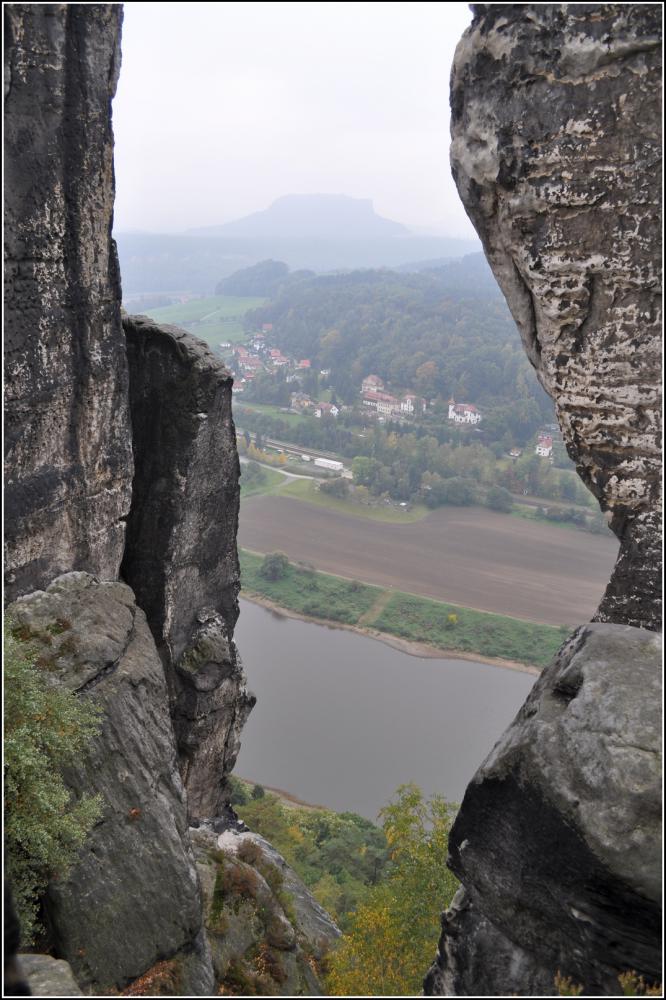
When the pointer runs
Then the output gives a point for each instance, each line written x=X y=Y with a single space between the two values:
x=393 y=935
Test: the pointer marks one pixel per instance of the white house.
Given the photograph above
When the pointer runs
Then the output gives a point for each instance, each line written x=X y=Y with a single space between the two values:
x=463 y=413
x=326 y=410
x=544 y=446
x=412 y=404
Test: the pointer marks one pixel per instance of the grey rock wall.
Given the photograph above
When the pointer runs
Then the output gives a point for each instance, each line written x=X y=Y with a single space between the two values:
x=556 y=152
x=181 y=556
x=134 y=896
x=67 y=431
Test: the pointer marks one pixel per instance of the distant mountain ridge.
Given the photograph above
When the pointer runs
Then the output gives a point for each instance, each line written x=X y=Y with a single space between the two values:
x=310 y=216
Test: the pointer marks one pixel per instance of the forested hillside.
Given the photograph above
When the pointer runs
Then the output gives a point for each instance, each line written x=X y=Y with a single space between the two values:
x=442 y=332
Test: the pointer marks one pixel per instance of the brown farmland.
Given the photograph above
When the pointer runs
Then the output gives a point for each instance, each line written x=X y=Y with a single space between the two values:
x=468 y=556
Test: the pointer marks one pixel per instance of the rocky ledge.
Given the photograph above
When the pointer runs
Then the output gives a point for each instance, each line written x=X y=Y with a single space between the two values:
x=133 y=898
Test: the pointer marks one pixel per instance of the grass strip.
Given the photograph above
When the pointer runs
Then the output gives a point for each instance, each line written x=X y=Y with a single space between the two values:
x=308 y=592
x=417 y=619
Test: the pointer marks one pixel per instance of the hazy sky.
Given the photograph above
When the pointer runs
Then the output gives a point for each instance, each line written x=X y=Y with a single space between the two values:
x=223 y=107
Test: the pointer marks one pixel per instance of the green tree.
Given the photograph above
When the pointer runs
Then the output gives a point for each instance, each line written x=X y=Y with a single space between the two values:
x=391 y=936
x=46 y=729
x=498 y=498
x=336 y=488
x=274 y=566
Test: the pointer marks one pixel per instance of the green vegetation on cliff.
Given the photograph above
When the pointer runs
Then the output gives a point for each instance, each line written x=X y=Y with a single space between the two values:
x=338 y=855
x=46 y=728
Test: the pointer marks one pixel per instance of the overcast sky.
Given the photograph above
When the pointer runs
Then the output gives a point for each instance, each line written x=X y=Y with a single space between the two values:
x=223 y=107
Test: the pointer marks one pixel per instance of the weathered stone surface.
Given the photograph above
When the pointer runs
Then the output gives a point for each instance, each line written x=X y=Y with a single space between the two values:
x=558 y=839
x=181 y=534
x=210 y=710
x=48 y=977
x=181 y=556
x=134 y=897
x=556 y=152
x=266 y=931
x=67 y=433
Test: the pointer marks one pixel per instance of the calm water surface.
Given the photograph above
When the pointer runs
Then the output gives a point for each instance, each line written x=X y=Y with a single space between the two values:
x=342 y=719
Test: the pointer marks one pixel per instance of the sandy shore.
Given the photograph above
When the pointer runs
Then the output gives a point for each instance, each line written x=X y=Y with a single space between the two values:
x=419 y=649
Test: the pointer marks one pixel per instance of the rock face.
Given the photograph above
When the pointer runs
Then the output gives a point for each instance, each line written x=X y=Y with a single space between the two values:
x=134 y=896
x=556 y=151
x=556 y=154
x=181 y=556
x=267 y=934
x=68 y=442
x=558 y=840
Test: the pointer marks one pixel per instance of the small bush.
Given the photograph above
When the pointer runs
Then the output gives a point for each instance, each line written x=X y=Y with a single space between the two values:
x=250 y=852
x=240 y=881
x=270 y=964
x=237 y=792
x=258 y=792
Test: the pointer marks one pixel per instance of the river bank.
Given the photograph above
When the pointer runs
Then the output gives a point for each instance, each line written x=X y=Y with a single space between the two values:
x=420 y=649
x=407 y=622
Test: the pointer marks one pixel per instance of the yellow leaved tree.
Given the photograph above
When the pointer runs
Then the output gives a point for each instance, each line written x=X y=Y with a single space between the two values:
x=393 y=935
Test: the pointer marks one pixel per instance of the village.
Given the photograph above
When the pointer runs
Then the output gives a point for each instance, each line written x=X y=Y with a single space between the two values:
x=259 y=357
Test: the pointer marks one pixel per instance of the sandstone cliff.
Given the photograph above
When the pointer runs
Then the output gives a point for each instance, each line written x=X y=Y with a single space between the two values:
x=556 y=154
x=120 y=448
x=67 y=423
x=180 y=555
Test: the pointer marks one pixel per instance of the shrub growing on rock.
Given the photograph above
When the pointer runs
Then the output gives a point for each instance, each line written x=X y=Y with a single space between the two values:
x=46 y=729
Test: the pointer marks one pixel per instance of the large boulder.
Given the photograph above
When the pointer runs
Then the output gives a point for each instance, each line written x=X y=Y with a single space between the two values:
x=556 y=152
x=133 y=897
x=67 y=425
x=558 y=839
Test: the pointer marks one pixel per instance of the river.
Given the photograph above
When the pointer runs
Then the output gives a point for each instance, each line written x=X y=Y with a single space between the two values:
x=343 y=719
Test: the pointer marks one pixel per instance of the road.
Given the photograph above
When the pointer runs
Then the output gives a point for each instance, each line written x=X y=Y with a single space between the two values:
x=468 y=556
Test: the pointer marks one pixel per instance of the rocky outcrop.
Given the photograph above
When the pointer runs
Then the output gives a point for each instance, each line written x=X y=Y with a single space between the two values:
x=67 y=432
x=181 y=556
x=133 y=898
x=556 y=152
x=48 y=977
x=267 y=933
x=558 y=840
